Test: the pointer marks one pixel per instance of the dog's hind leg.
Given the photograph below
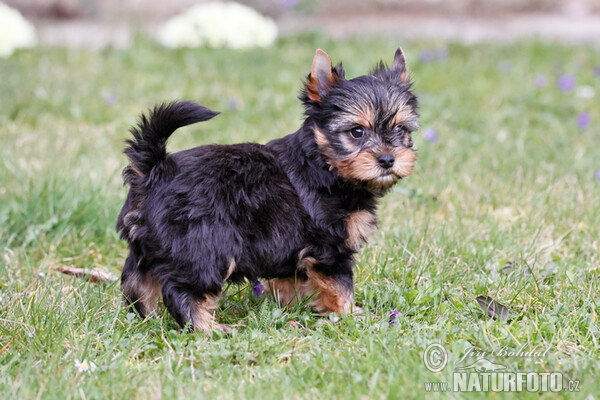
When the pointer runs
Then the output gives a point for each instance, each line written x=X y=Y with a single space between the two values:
x=186 y=308
x=139 y=289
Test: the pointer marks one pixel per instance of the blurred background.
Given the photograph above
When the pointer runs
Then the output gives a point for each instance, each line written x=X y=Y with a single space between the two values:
x=503 y=201
x=97 y=23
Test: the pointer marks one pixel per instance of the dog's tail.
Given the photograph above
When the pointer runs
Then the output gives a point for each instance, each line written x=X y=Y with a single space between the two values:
x=148 y=147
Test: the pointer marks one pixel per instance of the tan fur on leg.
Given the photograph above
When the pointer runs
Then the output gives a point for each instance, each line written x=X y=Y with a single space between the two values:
x=142 y=289
x=331 y=295
x=230 y=269
x=328 y=295
x=203 y=316
x=284 y=290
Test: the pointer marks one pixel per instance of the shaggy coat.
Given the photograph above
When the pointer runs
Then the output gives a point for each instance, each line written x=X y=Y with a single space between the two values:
x=292 y=212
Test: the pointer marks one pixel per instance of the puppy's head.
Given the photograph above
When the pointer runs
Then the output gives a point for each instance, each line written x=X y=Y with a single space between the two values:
x=363 y=126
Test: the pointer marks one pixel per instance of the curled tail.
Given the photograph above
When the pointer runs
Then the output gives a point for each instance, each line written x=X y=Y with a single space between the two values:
x=148 y=147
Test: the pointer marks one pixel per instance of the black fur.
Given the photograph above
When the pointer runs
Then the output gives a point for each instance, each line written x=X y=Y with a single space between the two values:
x=188 y=214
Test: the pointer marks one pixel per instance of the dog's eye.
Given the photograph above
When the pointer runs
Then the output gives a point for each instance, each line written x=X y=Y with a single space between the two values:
x=357 y=132
x=400 y=129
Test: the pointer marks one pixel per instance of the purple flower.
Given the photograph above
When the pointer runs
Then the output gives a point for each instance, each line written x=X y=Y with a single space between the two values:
x=257 y=288
x=597 y=71
x=429 y=55
x=566 y=83
x=597 y=174
x=540 y=81
x=441 y=53
x=583 y=120
x=426 y=56
x=110 y=100
x=394 y=318
x=431 y=135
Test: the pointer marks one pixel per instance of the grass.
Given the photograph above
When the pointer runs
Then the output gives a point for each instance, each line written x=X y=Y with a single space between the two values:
x=505 y=204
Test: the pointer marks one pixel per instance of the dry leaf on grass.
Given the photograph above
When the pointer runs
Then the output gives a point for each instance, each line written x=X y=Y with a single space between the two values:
x=94 y=275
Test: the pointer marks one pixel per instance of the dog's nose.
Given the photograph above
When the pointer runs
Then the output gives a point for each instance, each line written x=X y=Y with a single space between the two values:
x=386 y=160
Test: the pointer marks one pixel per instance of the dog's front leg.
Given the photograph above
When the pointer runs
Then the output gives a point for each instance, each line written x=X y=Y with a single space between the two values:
x=326 y=294
x=330 y=289
x=330 y=294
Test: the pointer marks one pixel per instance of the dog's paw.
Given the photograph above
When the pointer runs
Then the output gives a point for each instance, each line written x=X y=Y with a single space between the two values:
x=358 y=312
x=222 y=328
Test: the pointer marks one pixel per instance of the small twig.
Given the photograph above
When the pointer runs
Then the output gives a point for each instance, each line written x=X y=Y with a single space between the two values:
x=93 y=274
x=7 y=345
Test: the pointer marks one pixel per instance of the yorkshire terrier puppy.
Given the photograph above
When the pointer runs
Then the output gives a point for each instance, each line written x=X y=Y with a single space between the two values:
x=292 y=212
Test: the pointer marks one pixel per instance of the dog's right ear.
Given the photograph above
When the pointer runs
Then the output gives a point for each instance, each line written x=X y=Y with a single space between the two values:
x=322 y=76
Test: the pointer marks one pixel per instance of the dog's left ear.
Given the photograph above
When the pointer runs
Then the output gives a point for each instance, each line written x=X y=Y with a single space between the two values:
x=399 y=65
x=322 y=76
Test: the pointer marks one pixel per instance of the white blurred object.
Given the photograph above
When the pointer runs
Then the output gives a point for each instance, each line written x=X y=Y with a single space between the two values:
x=218 y=24
x=585 y=92
x=15 y=31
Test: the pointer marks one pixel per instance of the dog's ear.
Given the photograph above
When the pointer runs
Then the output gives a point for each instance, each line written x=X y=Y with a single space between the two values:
x=399 y=65
x=322 y=76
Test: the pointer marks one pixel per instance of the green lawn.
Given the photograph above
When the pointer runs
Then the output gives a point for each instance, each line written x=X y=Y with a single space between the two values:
x=504 y=204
